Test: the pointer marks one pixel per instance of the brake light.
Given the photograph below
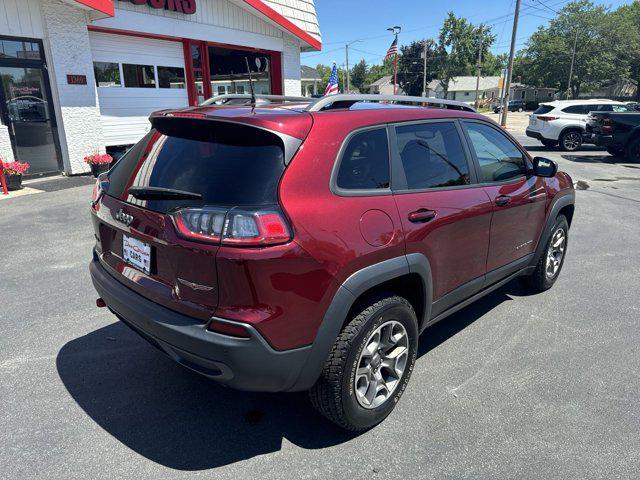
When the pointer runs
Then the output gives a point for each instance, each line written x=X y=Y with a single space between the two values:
x=236 y=226
x=545 y=118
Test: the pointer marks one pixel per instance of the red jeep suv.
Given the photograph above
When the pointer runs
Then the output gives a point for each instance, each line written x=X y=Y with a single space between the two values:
x=284 y=246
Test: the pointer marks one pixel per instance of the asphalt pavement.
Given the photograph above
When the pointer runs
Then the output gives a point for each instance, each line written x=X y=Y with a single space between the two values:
x=514 y=386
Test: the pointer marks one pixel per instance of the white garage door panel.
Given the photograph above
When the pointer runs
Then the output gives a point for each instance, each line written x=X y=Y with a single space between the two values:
x=125 y=111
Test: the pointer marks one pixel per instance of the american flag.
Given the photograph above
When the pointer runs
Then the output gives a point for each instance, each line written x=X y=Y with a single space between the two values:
x=332 y=86
x=393 y=50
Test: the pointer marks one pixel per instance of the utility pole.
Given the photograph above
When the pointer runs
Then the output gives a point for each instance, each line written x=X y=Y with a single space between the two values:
x=346 y=51
x=573 y=58
x=479 y=68
x=512 y=53
x=424 y=70
x=344 y=79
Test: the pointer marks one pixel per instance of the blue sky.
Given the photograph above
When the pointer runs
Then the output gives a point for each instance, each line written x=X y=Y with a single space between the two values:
x=342 y=21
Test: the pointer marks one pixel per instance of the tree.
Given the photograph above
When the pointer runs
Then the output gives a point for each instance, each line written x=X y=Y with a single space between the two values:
x=359 y=75
x=458 y=45
x=600 y=50
x=411 y=65
x=378 y=71
x=625 y=28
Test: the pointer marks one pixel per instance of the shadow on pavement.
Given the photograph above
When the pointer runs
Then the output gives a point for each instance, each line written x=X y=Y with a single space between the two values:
x=181 y=420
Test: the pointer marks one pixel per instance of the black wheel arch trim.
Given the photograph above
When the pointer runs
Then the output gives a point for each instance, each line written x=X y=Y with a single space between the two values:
x=560 y=201
x=346 y=295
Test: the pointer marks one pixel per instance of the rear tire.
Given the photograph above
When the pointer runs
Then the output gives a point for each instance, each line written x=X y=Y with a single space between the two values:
x=570 y=140
x=615 y=151
x=550 y=264
x=357 y=365
x=632 y=152
x=549 y=143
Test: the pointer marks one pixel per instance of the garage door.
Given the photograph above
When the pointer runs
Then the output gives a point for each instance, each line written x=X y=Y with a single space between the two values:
x=135 y=77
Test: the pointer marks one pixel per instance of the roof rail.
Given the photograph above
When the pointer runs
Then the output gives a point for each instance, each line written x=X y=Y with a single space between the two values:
x=347 y=100
x=261 y=99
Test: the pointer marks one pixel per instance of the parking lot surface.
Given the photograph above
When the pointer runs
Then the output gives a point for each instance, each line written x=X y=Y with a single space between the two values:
x=514 y=386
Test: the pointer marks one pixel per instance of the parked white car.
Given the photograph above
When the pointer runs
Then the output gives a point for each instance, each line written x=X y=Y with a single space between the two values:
x=563 y=121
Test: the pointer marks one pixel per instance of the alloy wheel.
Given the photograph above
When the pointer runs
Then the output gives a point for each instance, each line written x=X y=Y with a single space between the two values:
x=571 y=141
x=555 y=252
x=381 y=364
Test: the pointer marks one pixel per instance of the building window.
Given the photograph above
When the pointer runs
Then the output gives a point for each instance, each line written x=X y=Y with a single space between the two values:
x=221 y=90
x=19 y=49
x=171 y=77
x=138 y=76
x=107 y=74
x=230 y=66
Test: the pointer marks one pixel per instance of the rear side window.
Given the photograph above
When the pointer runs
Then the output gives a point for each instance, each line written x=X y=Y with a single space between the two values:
x=227 y=164
x=579 y=109
x=432 y=155
x=365 y=162
x=498 y=157
x=542 y=109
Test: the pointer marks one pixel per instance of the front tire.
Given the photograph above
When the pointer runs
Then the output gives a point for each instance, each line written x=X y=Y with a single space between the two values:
x=615 y=151
x=571 y=140
x=551 y=261
x=369 y=365
x=632 y=152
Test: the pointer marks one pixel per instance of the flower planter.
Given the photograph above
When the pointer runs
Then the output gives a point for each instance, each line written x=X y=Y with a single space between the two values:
x=98 y=168
x=14 y=182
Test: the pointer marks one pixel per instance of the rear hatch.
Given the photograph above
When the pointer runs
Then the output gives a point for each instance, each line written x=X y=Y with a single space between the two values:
x=538 y=119
x=208 y=163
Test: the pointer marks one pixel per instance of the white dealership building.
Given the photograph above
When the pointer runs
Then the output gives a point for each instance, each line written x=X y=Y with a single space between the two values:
x=82 y=76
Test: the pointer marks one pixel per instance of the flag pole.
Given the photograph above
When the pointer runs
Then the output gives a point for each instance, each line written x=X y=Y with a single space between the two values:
x=396 y=30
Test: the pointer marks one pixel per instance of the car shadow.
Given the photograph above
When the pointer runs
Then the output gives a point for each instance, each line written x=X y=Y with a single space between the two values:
x=184 y=421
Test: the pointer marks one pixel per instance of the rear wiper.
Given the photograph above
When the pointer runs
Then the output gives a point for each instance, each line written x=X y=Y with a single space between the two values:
x=160 y=193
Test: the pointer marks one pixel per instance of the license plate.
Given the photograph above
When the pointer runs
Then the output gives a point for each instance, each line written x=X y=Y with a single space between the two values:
x=136 y=253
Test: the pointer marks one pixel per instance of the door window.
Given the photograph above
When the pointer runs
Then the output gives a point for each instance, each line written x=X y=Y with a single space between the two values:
x=578 y=109
x=432 y=155
x=498 y=157
x=365 y=162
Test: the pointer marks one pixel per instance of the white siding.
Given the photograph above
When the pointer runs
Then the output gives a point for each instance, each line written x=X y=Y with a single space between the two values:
x=301 y=13
x=125 y=111
x=21 y=18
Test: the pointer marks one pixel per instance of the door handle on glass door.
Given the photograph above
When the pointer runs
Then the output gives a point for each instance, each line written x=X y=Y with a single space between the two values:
x=502 y=200
x=421 y=215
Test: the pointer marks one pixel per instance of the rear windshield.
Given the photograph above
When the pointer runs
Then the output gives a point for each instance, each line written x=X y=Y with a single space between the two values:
x=542 y=109
x=226 y=163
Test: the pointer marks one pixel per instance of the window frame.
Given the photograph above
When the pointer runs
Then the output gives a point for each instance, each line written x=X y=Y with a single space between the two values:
x=476 y=163
x=361 y=192
x=399 y=184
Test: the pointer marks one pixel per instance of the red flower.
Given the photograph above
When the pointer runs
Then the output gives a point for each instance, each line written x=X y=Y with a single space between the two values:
x=98 y=159
x=14 y=168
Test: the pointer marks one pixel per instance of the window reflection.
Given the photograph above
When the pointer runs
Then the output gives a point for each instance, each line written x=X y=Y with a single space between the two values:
x=229 y=71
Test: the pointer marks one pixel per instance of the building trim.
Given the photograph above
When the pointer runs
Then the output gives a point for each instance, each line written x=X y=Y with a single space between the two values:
x=292 y=28
x=104 y=6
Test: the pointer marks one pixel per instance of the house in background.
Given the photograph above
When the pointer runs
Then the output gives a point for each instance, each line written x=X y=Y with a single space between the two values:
x=310 y=81
x=520 y=91
x=384 y=86
x=463 y=88
x=622 y=89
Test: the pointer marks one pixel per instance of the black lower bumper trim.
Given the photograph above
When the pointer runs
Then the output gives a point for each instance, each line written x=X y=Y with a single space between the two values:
x=242 y=363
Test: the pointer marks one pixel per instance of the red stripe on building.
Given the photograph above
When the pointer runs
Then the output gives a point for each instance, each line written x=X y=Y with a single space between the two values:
x=285 y=23
x=104 y=6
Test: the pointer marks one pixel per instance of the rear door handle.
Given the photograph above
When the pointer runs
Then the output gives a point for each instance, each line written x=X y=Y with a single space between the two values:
x=421 y=215
x=502 y=200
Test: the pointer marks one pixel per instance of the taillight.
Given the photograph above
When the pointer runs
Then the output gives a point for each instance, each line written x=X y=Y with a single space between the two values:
x=545 y=118
x=236 y=226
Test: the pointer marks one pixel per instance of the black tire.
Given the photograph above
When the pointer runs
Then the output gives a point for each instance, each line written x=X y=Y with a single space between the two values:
x=549 y=143
x=632 y=152
x=615 y=151
x=334 y=394
x=570 y=140
x=539 y=281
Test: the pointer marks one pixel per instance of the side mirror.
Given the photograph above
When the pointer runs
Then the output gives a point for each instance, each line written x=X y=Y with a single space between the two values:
x=543 y=167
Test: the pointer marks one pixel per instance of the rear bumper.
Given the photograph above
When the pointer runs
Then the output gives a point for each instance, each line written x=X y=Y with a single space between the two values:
x=245 y=364
x=602 y=140
x=534 y=134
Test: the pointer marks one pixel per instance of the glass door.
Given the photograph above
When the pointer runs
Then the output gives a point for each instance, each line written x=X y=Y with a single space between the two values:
x=25 y=106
